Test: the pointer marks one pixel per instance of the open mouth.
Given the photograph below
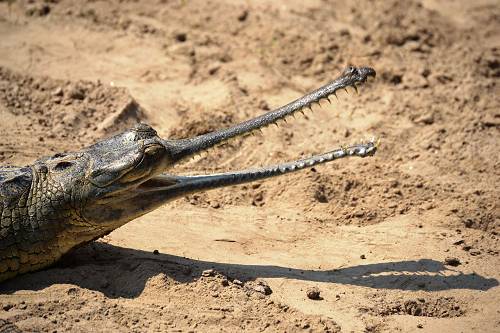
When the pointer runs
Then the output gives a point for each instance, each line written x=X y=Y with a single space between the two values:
x=146 y=188
x=180 y=149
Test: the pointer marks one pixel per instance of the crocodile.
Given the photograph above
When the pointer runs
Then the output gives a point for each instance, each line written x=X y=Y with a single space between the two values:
x=69 y=199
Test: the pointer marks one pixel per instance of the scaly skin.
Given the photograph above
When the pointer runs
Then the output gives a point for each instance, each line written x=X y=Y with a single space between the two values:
x=67 y=200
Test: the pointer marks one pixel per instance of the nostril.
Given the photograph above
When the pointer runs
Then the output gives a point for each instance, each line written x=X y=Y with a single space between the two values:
x=350 y=70
x=62 y=165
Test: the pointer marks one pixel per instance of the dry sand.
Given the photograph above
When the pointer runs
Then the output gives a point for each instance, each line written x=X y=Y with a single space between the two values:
x=372 y=235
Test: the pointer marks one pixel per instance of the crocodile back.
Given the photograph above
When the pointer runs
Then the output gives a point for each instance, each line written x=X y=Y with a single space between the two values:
x=38 y=219
x=14 y=181
x=15 y=184
x=33 y=221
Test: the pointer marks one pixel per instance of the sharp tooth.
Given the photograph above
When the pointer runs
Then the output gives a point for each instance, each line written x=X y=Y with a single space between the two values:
x=328 y=99
x=355 y=88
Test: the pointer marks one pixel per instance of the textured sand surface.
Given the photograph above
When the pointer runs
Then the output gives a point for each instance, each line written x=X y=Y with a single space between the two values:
x=373 y=235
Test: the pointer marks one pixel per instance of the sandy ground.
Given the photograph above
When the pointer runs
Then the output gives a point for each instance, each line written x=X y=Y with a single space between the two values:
x=373 y=235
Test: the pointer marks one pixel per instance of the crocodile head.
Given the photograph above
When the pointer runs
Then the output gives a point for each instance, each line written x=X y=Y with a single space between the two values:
x=118 y=169
x=125 y=174
x=126 y=159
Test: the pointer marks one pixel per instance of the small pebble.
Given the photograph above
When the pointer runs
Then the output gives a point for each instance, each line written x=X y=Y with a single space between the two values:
x=314 y=293
x=263 y=287
x=208 y=272
x=57 y=92
x=475 y=252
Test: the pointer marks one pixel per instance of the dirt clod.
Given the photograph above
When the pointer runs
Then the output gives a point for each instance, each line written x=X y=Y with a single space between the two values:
x=439 y=307
x=263 y=287
x=314 y=293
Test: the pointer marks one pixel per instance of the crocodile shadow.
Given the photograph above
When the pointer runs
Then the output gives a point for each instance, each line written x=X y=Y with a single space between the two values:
x=124 y=272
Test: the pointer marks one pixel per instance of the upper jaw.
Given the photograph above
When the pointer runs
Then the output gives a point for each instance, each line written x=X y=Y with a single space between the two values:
x=182 y=148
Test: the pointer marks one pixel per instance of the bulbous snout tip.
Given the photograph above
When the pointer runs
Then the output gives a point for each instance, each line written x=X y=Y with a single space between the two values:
x=366 y=72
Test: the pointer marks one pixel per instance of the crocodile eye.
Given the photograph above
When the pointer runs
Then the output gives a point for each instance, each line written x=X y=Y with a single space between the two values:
x=63 y=165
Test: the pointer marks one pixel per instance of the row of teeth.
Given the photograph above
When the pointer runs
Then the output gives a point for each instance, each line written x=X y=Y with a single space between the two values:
x=360 y=149
x=302 y=110
x=292 y=114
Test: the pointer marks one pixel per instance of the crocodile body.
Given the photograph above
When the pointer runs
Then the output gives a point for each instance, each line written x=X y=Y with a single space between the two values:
x=66 y=200
x=40 y=219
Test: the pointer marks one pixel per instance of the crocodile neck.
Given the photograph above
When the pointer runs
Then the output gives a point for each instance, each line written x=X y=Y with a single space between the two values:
x=40 y=221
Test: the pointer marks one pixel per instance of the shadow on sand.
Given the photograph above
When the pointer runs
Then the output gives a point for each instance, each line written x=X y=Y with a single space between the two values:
x=123 y=272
